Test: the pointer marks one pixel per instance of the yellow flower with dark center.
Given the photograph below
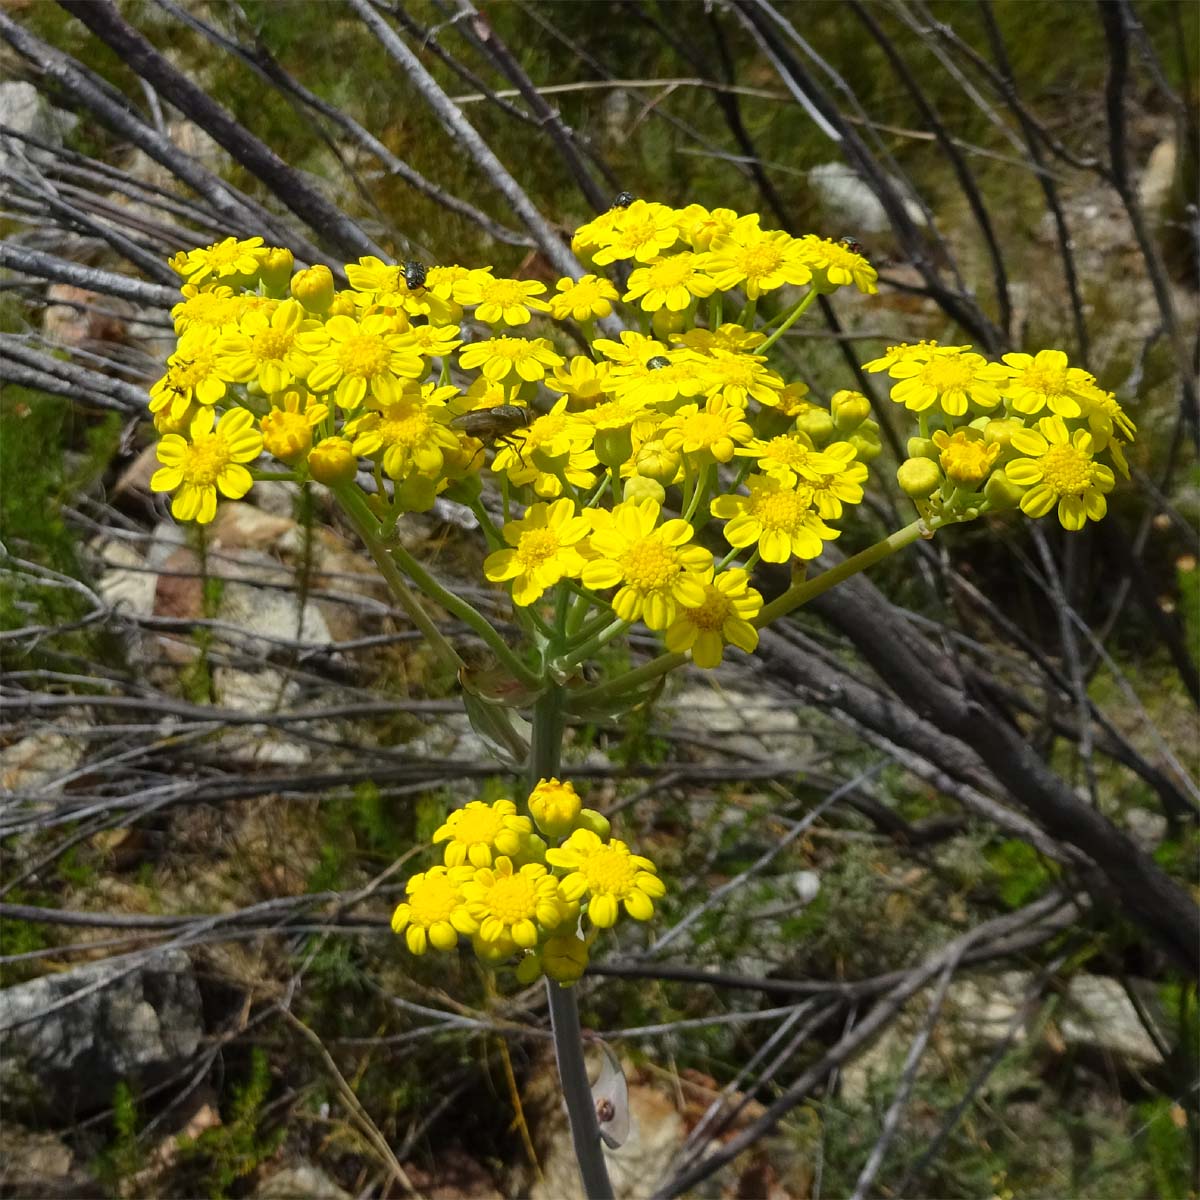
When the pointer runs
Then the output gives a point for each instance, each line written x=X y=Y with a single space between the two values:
x=1060 y=470
x=220 y=260
x=781 y=519
x=435 y=912
x=543 y=550
x=609 y=875
x=730 y=604
x=264 y=347
x=511 y=904
x=672 y=283
x=555 y=806
x=478 y=831
x=208 y=460
x=288 y=428
x=643 y=232
x=966 y=456
x=360 y=358
x=740 y=378
x=716 y=429
x=583 y=299
x=834 y=265
x=756 y=260
x=502 y=301
x=951 y=378
x=500 y=357
x=412 y=432
x=1044 y=380
x=652 y=564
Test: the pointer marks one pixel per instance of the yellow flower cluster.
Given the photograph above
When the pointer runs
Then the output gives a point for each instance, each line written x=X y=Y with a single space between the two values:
x=1025 y=431
x=515 y=898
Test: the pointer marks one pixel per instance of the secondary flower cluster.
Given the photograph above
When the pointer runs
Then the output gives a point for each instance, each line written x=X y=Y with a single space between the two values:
x=1025 y=431
x=516 y=898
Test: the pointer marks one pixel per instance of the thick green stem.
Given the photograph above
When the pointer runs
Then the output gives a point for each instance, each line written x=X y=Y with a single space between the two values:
x=545 y=755
x=628 y=682
x=801 y=593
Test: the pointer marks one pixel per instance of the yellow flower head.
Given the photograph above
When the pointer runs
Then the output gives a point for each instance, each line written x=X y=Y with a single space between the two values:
x=209 y=308
x=543 y=550
x=609 y=875
x=192 y=375
x=672 y=283
x=435 y=912
x=739 y=377
x=555 y=806
x=655 y=569
x=194 y=468
x=434 y=341
x=1044 y=380
x=478 y=831
x=836 y=265
x=411 y=433
x=360 y=358
x=730 y=604
x=447 y=282
x=220 y=260
x=905 y=352
x=1060 y=470
x=288 y=428
x=756 y=260
x=264 y=347
x=581 y=379
x=660 y=379
x=514 y=904
x=502 y=301
x=701 y=227
x=643 y=232
x=713 y=430
x=966 y=456
x=781 y=519
x=950 y=377
x=583 y=299
x=500 y=357
x=313 y=287
x=728 y=337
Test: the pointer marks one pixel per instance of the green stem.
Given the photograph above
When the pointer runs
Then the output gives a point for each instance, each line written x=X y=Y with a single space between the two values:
x=361 y=518
x=545 y=757
x=494 y=537
x=580 y=653
x=794 y=316
x=593 y=627
x=801 y=593
x=701 y=490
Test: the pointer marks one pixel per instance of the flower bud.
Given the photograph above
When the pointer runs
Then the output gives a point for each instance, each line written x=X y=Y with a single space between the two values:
x=529 y=968
x=555 y=807
x=999 y=431
x=817 y=424
x=276 y=268
x=655 y=461
x=1000 y=491
x=565 y=958
x=918 y=477
x=613 y=446
x=332 y=462
x=342 y=305
x=286 y=435
x=866 y=443
x=314 y=288
x=919 y=447
x=665 y=322
x=597 y=822
x=639 y=487
x=849 y=409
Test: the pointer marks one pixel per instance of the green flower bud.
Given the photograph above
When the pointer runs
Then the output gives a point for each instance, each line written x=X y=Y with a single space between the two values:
x=332 y=462
x=613 y=446
x=665 y=322
x=655 y=461
x=276 y=268
x=919 y=447
x=639 y=487
x=849 y=409
x=817 y=423
x=866 y=443
x=597 y=822
x=1000 y=491
x=918 y=477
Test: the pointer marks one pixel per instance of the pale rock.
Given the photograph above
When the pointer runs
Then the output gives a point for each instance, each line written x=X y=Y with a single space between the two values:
x=25 y=109
x=78 y=318
x=1099 y=1014
x=241 y=526
x=1158 y=178
x=37 y=759
x=127 y=585
x=260 y=692
x=746 y=723
x=847 y=197
x=304 y=1182
x=136 y=477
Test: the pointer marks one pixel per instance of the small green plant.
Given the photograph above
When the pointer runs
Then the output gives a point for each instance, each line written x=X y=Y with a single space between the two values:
x=123 y=1158
x=237 y=1148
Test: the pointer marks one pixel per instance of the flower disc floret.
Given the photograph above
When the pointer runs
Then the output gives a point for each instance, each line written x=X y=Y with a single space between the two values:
x=435 y=912
x=583 y=299
x=478 y=831
x=654 y=567
x=360 y=358
x=609 y=875
x=510 y=903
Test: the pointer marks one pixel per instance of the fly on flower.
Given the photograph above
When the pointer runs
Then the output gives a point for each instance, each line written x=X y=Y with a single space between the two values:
x=495 y=425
